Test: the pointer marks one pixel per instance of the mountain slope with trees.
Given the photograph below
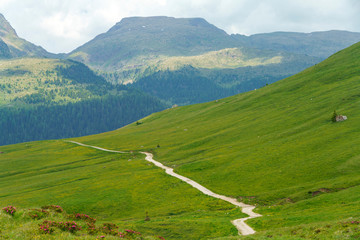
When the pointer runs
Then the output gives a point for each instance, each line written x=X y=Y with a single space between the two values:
x=161 y=49
x=49 y=98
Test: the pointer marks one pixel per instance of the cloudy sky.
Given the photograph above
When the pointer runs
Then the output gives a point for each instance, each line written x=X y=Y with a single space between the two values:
x=62 y=25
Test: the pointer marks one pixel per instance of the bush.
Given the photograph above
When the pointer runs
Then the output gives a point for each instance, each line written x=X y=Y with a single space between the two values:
x=46 y=229
x=333 y=118
x=11 y=210
x=55 y=208
x=84 y=217
x=38 y=213
x=110 y=228
x=69 y=226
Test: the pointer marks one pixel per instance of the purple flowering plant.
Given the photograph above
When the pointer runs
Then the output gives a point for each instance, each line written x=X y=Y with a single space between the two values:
x=11 y=210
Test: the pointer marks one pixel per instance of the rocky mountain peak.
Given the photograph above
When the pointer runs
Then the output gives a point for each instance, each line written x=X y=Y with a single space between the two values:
x=5 y=27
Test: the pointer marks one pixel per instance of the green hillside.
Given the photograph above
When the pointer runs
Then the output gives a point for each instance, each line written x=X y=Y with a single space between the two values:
x=40 y=80
x=287 y=122
x=275 y=147
x=37 y=94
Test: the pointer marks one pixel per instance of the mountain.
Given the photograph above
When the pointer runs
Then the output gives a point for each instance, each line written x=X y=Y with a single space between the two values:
x=45 y=98
x=154 y=53
x=16 y=46
x=237 y=71
x=276 y=147
x=51 y=98
x=317 y=44
x=138 y=39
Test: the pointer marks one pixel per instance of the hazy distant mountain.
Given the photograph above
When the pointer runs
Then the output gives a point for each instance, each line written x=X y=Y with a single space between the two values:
x=156 y=52
x=136 y=43
x=16 y=46
x=317 y=44
x=139 y=39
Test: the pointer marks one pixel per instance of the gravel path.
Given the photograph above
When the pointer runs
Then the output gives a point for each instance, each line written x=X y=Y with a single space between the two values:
x=240 y=224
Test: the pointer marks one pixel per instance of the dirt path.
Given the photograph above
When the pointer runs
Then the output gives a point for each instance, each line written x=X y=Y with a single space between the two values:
x=240 y=224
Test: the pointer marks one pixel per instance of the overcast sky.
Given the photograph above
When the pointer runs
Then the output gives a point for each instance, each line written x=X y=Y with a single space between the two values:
x=63 y=25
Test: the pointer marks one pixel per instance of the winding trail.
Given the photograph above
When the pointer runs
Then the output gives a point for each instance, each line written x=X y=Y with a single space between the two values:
x=240 y=224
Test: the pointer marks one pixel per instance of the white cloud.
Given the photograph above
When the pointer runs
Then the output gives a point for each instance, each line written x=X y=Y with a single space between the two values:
x=63 y=25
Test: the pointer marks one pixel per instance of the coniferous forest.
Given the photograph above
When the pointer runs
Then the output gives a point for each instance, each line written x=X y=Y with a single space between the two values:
x=74 y=119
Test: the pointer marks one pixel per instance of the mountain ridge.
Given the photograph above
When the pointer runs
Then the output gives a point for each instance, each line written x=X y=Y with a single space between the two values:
x=17 y=46
x=135 y=46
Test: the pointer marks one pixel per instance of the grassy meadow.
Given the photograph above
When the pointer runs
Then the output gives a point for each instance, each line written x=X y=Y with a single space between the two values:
x=275 y=147
x=110 y=187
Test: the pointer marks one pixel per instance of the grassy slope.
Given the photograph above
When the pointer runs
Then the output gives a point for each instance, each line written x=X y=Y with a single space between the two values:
x=25 y=76
x=113 y=187
x=276 y=144
x=225 y=58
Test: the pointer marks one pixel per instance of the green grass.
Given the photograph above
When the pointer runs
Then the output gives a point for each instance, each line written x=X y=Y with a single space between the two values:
x=276 y=145
x=282 y=131
x=114 y=187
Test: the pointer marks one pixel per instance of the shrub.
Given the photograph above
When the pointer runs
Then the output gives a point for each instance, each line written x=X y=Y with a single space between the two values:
x=91 y=229
x=46 y=229
x=333 y=118
x=69 y=226
x=84 y=217
x=131 y=233
x=110 y=228
x=38 y=213
x=11 y=210
x=55 y=208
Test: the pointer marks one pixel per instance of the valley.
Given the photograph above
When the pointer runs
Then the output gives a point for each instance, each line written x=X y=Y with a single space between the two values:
x=249 y=147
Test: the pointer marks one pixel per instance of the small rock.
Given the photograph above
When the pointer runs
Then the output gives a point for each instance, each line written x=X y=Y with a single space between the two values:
x=341 y=118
